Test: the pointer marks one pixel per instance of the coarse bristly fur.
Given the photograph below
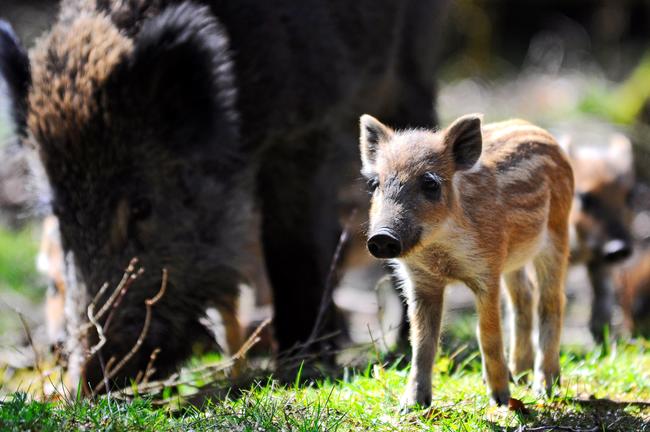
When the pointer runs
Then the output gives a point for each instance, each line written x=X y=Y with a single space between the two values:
x=164 y=125
x=473 y=203
x=104 y=110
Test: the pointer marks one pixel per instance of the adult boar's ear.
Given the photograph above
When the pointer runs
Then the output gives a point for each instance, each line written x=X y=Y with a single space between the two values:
x=15 y=70
x=465 y=140
x=179 y=77
x=373 y=133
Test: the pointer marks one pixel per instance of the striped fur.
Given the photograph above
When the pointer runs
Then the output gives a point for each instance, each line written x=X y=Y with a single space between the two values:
x=491 y=219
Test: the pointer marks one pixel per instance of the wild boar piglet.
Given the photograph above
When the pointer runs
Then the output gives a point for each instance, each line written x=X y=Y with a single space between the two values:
x=471 y=203
x=601 y=217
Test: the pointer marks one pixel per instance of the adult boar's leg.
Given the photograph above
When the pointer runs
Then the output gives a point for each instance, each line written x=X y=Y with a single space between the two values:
x=300 y=231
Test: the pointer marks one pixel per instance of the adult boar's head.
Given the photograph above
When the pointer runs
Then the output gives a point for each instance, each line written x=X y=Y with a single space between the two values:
x=139 y=140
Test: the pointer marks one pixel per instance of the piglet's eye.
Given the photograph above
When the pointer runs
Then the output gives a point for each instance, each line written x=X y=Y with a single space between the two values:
x=373 y=184
x=431 y=184
x=588 y=201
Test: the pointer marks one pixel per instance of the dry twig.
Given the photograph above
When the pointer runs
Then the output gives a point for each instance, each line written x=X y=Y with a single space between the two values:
x=149 y=303
x=149 y=370
x=129 y=276
x=252 y=340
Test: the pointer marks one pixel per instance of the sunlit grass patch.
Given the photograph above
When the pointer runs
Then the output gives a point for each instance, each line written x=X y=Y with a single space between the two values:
x=601 y=390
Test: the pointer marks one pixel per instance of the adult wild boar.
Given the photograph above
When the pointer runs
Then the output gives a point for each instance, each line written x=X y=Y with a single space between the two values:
x=163 y=124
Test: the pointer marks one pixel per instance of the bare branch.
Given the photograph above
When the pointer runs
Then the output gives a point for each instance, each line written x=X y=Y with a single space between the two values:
x=252 y=340
x=129 y=276
x=150 y=370
x=163 y=287
x=149 y=303
x=118 y=300
x=125 y=278
x=98 y=328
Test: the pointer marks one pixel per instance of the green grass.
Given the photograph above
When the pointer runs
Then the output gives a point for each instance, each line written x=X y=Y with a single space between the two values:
x=599 y=392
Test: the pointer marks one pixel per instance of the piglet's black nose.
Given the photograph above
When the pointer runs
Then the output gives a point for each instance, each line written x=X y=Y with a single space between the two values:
x=384 y=244
x=616 y=250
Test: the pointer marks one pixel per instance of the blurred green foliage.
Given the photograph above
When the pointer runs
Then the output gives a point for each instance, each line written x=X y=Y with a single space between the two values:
x=623 y=103
x=18 y=252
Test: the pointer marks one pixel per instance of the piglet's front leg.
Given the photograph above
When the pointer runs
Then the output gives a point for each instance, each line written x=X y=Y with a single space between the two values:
x=425 y=304
x=490 y=339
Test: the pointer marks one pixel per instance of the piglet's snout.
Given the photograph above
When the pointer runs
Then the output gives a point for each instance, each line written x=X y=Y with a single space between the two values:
x=616 y=250
x=384 y=243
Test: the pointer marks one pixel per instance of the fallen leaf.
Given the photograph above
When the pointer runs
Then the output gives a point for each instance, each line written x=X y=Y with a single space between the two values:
x=518 y=406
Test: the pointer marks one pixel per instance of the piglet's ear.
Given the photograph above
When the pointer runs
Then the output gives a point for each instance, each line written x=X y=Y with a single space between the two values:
x=465 y=140
x=15 y=70
x=180 y=75
x=373 y=133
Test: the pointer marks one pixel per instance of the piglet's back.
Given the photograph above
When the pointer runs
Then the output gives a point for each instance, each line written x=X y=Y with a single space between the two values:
x=524 y=176
x=523 y=157
x=512 y=143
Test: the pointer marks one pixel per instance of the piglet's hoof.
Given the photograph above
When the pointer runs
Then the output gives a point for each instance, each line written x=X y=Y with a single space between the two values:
x=414 y=401
x=409 y=408
x=545 y=384
x=501 y=397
